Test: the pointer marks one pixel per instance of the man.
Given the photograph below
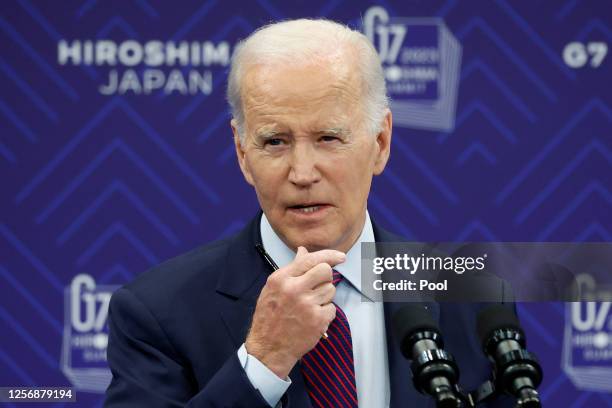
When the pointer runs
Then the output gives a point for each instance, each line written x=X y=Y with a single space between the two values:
x=217 y=326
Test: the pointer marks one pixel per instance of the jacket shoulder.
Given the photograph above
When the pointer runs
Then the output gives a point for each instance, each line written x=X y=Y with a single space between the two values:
x=182 y=276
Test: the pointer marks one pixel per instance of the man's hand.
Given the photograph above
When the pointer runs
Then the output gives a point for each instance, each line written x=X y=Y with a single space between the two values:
x=294 y=309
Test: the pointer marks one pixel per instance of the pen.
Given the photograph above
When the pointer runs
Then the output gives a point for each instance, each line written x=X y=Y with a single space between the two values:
x=268 y=259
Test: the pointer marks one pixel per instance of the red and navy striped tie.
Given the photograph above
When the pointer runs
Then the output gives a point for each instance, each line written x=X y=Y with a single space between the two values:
x=328 y=369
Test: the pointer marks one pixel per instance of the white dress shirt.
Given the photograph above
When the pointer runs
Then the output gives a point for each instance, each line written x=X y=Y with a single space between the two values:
x=366 y=321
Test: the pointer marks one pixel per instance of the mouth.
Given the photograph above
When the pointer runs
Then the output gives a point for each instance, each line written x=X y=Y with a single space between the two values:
x=307 y=209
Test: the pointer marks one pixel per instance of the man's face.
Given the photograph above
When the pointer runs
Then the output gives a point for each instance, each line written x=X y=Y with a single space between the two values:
x=306 y=151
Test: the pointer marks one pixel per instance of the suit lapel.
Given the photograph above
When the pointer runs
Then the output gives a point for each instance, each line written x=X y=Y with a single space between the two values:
x=242 y=280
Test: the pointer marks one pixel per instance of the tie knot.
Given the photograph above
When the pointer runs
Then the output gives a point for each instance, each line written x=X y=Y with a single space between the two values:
x=336 y=277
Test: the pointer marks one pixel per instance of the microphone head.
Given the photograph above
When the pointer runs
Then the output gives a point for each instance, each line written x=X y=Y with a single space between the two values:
x=496 y=317
x=408 y=321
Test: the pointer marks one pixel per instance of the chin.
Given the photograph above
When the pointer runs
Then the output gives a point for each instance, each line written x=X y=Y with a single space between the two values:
x=314 y=241
x=315 y=246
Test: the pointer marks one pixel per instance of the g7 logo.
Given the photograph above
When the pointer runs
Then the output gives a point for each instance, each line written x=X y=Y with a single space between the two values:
x=89 y=309
x=390 y=36
x=594 y=317
x=576 y=54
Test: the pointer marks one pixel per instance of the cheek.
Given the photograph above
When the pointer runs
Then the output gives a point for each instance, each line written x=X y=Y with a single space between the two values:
x=266 y=179
x=354 y=185
x=360 y=171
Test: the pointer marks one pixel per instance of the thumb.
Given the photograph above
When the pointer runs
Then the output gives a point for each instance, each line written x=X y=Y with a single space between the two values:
x=301 y=251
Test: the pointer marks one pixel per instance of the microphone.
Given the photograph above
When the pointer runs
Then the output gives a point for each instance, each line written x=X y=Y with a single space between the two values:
x=434 y=371
x=516 y=370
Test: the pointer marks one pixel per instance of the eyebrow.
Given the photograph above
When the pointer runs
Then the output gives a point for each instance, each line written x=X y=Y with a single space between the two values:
x=335 y=131
x=269 y=134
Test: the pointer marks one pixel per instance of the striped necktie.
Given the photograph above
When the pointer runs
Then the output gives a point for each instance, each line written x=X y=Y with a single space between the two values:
x=328 y=369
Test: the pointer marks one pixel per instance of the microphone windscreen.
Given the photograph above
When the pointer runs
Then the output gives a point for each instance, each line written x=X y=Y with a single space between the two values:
x=409 y=320
x=496 y=317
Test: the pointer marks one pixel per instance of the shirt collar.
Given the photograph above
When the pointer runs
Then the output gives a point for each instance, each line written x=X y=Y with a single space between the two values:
x=283 y=255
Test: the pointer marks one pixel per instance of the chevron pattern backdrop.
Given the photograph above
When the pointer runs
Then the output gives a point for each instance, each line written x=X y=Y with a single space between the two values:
x=109 y=185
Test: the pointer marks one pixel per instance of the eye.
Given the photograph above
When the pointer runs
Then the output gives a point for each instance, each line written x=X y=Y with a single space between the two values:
x=274 y=141
x=328 y=138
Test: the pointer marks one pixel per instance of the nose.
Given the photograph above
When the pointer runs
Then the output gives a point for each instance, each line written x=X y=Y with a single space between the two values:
x=304 y=167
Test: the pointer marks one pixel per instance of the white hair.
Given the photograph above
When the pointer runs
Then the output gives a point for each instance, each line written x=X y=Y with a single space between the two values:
x=300 y=42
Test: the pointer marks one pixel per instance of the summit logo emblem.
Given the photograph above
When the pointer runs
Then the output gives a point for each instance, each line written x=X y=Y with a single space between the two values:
x=422 y=61
x=83 y=359
x=587 y=342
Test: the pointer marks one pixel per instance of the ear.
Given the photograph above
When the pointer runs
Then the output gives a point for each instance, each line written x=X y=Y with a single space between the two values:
x=383 y=141
x=240 y=153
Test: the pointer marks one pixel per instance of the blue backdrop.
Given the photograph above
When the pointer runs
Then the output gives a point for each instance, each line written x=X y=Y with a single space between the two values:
x=508 y=140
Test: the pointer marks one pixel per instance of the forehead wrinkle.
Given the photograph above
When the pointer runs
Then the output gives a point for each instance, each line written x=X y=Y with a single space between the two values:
x=330 y=93
x=293 y=121
x=261 y=83
x=317 y=98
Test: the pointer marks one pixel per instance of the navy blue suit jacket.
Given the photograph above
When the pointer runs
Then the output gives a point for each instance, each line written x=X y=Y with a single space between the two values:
x=175 y=330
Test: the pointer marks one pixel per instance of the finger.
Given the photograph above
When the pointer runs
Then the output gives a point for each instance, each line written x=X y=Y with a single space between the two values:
x=321 y=273
x=329 y=312
x=307 y=261
x=294 y=269
x=323 y=294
